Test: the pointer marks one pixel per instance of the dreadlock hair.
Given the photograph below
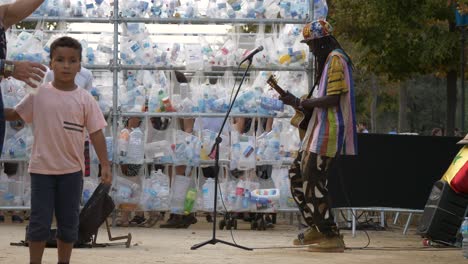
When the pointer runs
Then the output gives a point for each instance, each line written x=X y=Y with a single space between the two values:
x=322 y=48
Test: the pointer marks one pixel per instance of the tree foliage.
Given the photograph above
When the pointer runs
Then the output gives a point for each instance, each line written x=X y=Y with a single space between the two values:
x=398 y=41
x=398 y=38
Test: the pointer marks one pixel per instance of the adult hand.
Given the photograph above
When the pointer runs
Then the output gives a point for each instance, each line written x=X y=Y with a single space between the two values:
x=290 y=99
x=106 y=174
x=28 y=71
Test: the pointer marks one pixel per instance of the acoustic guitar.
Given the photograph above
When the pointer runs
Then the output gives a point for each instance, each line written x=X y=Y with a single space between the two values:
x=301 y=118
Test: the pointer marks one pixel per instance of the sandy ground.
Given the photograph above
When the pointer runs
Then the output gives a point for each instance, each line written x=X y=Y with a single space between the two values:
x=272 y=246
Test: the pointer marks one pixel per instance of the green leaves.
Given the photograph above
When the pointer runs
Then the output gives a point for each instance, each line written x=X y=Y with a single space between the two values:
x=400 y=37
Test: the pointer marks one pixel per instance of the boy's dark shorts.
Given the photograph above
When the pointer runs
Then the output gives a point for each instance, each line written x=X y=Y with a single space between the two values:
x=55 y=193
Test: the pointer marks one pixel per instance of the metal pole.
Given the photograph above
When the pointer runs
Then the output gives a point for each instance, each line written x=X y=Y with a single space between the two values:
x=114 y=67
x=462 y=79
x=310 y=67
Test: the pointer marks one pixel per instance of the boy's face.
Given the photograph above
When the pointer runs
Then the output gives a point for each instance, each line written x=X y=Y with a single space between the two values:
x=65 y=63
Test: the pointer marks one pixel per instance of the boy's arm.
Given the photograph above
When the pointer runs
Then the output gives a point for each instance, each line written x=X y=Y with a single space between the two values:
x=11 y=114
x=99 y=143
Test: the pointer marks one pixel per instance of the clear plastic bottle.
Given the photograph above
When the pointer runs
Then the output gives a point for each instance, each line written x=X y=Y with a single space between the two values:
x=161 y=181
x=123 y=143
x=136 y=151
x=464 y=232
x=208 y=194
x=190 y=199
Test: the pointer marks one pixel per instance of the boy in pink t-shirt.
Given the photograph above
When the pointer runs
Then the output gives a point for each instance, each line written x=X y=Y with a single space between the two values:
x=61 y=114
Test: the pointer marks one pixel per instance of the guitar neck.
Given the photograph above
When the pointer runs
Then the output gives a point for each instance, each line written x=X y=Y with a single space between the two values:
x=278 y=89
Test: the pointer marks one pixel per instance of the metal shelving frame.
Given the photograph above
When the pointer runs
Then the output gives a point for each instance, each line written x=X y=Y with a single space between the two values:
x=115 y=66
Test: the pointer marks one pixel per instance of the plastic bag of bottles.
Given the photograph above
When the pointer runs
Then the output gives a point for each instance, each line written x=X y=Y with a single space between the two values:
x=228 y=194
x=186 y=149
x=208 y=139
x=89 y=185
x=280 y=176
x=190 y=201
x=268 y=146
x=242 y=151
x=125 y=191
x=159 y=151
x=104 y=50
x=320 y=9
x=13 y=92
x=135 y=8
x=155 y=192
x=187 y=9
x=179 y=189
x=193 y=57
x=19 y=145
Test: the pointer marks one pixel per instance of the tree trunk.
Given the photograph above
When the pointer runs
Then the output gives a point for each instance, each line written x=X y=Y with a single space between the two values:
x=373 y=107
x=451 y=102
x=402 y=117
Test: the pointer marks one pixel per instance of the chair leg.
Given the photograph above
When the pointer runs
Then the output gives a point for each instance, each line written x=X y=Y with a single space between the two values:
x=354 y=222
x=382 y=219
x=405 y=230
x=396 y=218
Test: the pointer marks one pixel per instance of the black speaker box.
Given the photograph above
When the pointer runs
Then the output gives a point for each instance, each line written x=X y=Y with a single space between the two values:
x=443 y=214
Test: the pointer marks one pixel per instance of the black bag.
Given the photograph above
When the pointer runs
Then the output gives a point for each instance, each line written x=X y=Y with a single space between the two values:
x=95 y=212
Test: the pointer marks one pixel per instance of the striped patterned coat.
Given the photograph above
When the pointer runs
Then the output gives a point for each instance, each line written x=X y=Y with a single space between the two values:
x=332 y=130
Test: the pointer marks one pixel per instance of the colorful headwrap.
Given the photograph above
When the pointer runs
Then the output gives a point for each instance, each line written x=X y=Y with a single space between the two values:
x=316 y=29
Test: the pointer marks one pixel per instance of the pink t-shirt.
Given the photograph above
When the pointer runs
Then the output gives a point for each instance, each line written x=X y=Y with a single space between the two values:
x=60 y=120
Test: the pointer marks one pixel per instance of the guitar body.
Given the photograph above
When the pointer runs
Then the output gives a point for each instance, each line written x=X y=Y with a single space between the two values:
x=300 y=119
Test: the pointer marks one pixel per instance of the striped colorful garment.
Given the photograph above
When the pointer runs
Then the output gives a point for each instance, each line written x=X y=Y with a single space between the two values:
x=333 y=130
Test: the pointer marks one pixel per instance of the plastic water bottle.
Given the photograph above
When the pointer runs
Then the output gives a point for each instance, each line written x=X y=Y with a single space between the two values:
x=464 y=232
x=136 y=150
x=190 y=199
x=161 y=181
x=208 y=194
x=109 y=147
x=123 y=143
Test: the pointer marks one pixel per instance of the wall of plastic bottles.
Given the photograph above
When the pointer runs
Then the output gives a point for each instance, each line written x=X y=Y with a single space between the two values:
x=145 y=89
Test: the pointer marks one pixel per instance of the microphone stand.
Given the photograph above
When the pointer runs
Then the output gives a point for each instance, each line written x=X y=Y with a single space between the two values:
x=215 y=149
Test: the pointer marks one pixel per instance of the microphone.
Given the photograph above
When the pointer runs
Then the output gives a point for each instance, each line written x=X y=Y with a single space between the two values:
x=251 y=54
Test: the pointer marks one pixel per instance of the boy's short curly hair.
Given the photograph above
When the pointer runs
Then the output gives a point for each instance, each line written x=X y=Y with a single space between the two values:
x=67 y=42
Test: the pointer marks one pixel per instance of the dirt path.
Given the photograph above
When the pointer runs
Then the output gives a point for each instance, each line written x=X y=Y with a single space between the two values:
x=173 y=246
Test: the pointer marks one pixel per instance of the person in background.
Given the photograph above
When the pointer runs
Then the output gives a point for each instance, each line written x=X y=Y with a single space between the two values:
x=362 y=128
x=331 y=132
x=437 y=131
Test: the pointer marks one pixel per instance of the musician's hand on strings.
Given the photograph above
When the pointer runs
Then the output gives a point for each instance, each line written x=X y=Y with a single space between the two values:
x=290 y=99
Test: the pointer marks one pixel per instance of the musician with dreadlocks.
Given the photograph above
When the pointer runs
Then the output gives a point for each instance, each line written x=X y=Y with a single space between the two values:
x=330 y=132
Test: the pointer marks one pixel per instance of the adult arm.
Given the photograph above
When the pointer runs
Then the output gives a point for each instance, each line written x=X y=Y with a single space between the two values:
x=19 y=10
x=11 y=114
x=99 y=143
